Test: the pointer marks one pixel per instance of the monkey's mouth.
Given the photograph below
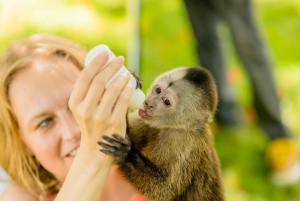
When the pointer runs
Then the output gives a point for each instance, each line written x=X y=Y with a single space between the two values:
x=143 y=113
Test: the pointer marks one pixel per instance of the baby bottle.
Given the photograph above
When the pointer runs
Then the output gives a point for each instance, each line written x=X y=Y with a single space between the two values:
x=137 y=97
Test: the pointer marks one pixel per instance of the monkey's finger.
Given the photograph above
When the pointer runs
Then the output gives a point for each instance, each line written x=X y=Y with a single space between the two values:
x=107 y=146
x=116 y=154
x=120 y=139
x=118 y=143
x=118 y=159
x=85 y=78
x=107 y=152
x=112 y=141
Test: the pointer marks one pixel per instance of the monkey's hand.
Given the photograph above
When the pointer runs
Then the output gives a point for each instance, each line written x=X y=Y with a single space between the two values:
x=118 y=147
x=138 y=81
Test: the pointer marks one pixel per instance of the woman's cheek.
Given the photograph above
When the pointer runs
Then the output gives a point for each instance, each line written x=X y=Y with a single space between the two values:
x=47 y=152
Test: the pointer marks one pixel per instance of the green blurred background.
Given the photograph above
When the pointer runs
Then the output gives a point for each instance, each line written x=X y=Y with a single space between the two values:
x=167 y=42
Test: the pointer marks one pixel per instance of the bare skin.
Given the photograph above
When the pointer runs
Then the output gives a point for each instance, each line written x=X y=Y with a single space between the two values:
x=68 y=121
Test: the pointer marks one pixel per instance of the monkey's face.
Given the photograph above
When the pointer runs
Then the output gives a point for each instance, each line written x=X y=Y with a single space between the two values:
x=184 y=97
x=163 y=105
x=171 y=103
x=161 y=99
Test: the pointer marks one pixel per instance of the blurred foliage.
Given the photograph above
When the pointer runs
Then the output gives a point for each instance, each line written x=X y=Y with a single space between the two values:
x=167 y=42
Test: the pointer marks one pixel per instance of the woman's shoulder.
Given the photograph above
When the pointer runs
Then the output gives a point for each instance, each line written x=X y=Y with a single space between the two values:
x=15 y=192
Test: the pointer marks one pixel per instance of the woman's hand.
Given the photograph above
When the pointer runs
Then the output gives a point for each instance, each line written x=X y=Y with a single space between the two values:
x=97 y=110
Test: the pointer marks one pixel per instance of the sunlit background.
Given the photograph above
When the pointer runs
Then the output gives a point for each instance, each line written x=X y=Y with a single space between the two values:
x=156 y=36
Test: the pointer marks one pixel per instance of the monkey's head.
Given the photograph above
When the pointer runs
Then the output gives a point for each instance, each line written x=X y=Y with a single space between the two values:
x=185 y=97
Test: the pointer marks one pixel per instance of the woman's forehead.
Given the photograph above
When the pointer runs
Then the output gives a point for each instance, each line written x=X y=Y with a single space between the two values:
x=42 y=75
x=55 y=66
x=39 y=87
x=46 y=71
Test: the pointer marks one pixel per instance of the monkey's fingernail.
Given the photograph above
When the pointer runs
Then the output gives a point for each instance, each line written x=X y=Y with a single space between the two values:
x=99 y=143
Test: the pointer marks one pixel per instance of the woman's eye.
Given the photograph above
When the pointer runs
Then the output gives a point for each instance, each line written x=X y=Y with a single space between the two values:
x=166 y=102
x=158 y=90
x=45 y=123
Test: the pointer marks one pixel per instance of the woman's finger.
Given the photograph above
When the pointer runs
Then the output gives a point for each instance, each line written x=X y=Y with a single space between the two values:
x=85 y=78
x=97 y=87
x=112 y=94
x=120 y=109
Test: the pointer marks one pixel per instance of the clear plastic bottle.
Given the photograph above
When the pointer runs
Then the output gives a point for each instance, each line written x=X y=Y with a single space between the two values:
x=137 y=97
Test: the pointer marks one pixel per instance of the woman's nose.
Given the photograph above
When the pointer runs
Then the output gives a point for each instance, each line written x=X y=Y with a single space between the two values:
x=71 y=130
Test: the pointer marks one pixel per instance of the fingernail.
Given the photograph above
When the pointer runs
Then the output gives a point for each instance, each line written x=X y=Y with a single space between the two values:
x=126 y=74
x=120 y=59
x=103 y=54
x=129 y=85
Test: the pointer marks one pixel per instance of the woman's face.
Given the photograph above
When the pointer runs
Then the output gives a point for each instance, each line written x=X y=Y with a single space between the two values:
x=39 y=97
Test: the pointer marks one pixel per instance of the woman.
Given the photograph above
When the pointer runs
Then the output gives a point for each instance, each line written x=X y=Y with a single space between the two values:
x=53 y=112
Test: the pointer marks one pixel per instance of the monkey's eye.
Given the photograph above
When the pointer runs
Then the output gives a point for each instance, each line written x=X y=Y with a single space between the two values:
x=166 y=102
x=158 y=89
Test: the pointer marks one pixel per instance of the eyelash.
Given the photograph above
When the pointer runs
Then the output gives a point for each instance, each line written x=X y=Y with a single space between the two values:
x=48 y=121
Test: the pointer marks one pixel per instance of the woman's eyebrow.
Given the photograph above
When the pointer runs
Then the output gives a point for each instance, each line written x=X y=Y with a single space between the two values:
x=33 y=118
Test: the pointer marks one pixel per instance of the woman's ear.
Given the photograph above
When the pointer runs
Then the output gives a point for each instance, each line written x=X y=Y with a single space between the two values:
x=28 y=150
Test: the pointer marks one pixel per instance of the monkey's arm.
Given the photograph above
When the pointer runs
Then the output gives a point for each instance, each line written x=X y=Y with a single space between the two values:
x=121 y=150
x=150 y=180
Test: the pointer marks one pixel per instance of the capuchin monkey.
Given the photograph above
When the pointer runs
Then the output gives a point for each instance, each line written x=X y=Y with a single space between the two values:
x=169 y=152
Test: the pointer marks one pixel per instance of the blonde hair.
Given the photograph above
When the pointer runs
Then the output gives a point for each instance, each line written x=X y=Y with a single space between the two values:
x=24 y=169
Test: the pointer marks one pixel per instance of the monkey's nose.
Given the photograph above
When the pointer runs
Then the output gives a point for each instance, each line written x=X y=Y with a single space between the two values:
x=149 y=104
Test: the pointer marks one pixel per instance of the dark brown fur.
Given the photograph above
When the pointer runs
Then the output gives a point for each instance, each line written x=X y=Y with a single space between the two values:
x=172 y=156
